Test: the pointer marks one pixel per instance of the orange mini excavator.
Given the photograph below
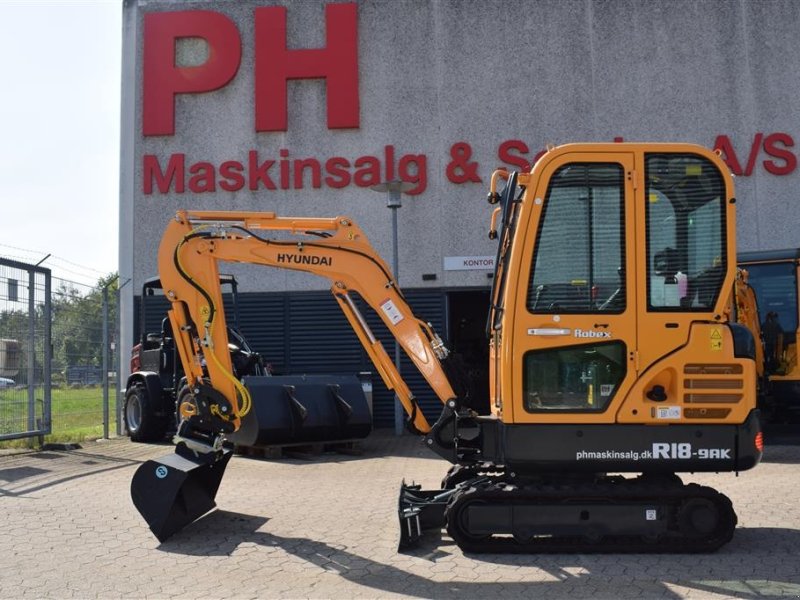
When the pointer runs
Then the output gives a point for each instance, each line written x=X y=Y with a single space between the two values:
x=613 y=362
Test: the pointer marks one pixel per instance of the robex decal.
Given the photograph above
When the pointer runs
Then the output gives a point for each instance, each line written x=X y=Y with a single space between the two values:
x=589 y=333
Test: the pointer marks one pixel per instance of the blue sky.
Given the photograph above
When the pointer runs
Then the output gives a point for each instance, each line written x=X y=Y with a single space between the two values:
x=59 y=134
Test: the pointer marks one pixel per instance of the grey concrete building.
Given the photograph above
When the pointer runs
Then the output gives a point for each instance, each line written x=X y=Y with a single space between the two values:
x=300 y=107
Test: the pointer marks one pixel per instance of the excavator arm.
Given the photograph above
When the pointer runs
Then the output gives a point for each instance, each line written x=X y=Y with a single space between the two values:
x=180 y=488
x=194 y=244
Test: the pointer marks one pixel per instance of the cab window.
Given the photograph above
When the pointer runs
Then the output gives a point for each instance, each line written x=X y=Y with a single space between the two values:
x=580 y=245
x=686 y=246
x=575 y=379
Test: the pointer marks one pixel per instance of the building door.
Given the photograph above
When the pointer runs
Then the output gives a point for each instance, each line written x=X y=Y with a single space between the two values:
x=467 y=312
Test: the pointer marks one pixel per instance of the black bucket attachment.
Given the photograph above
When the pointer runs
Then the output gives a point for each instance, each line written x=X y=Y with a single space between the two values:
x=177 y=489
x=304 y=409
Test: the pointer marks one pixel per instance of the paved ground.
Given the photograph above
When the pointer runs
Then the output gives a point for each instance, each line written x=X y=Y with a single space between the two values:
x=327 y=529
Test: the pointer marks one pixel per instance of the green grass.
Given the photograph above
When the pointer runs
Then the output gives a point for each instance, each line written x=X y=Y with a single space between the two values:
x=76 y=414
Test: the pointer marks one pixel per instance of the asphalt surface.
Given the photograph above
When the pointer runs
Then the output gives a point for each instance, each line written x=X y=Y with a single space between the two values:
x=327 y=528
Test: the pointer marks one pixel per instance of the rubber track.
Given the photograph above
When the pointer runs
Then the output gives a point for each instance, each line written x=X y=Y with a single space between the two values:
x=630 y=491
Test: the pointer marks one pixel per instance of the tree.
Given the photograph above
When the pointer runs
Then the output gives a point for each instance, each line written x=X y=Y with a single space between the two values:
x=76 y=321
x=77 y=326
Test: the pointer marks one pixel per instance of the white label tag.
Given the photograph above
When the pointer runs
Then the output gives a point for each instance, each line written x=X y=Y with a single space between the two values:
x=650 y=514
x=390 y=310
x=668 y=412
x=468 y=263
x=606 y=389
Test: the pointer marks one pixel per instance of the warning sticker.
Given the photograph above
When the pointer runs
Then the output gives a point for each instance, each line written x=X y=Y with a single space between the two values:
x=390 y=310
x=716 y=339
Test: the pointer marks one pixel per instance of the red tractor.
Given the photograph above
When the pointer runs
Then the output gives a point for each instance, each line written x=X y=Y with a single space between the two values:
x=157 y=379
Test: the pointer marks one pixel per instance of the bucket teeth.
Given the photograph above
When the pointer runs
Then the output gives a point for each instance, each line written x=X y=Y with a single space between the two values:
x=308 y=409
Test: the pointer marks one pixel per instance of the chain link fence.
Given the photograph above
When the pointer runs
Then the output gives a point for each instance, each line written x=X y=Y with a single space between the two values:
x=58 y=355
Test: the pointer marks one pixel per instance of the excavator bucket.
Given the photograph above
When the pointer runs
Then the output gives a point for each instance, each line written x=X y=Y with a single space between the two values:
x=177 y=489
x=304 y=409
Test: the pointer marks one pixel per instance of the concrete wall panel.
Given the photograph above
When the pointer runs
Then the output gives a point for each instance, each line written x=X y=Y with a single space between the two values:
x=433 y=73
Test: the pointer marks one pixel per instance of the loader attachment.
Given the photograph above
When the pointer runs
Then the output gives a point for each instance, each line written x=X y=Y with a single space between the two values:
x=304 y=409
x=177 y=489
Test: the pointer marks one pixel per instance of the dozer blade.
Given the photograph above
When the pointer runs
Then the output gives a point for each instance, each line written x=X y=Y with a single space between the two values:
x=177 y=489
x=420 y=510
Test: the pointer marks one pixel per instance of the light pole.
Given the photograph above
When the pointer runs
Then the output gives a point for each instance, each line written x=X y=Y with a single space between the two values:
x=393 y=189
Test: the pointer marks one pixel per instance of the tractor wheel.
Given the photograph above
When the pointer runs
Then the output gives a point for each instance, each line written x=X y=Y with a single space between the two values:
x=185 y=394
x=142 y=423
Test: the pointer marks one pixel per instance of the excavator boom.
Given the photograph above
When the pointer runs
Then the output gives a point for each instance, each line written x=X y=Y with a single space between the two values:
x=194 y=244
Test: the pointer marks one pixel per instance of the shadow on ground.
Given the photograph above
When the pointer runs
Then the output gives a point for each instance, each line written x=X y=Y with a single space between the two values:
x=579 y=576
x=55 y=468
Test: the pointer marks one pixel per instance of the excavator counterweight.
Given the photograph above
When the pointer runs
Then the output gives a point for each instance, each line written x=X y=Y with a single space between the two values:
x=614 y=363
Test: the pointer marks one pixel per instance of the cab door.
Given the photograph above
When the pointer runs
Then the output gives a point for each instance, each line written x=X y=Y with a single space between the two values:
x=686 y=255
x=574 y=311
x=684 y=250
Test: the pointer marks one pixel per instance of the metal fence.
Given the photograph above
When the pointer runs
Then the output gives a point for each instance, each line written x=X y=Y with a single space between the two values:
x=25 y=385
x=64 y=333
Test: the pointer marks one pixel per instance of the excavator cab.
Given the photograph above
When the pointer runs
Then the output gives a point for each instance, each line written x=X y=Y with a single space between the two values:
x=613 y=276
